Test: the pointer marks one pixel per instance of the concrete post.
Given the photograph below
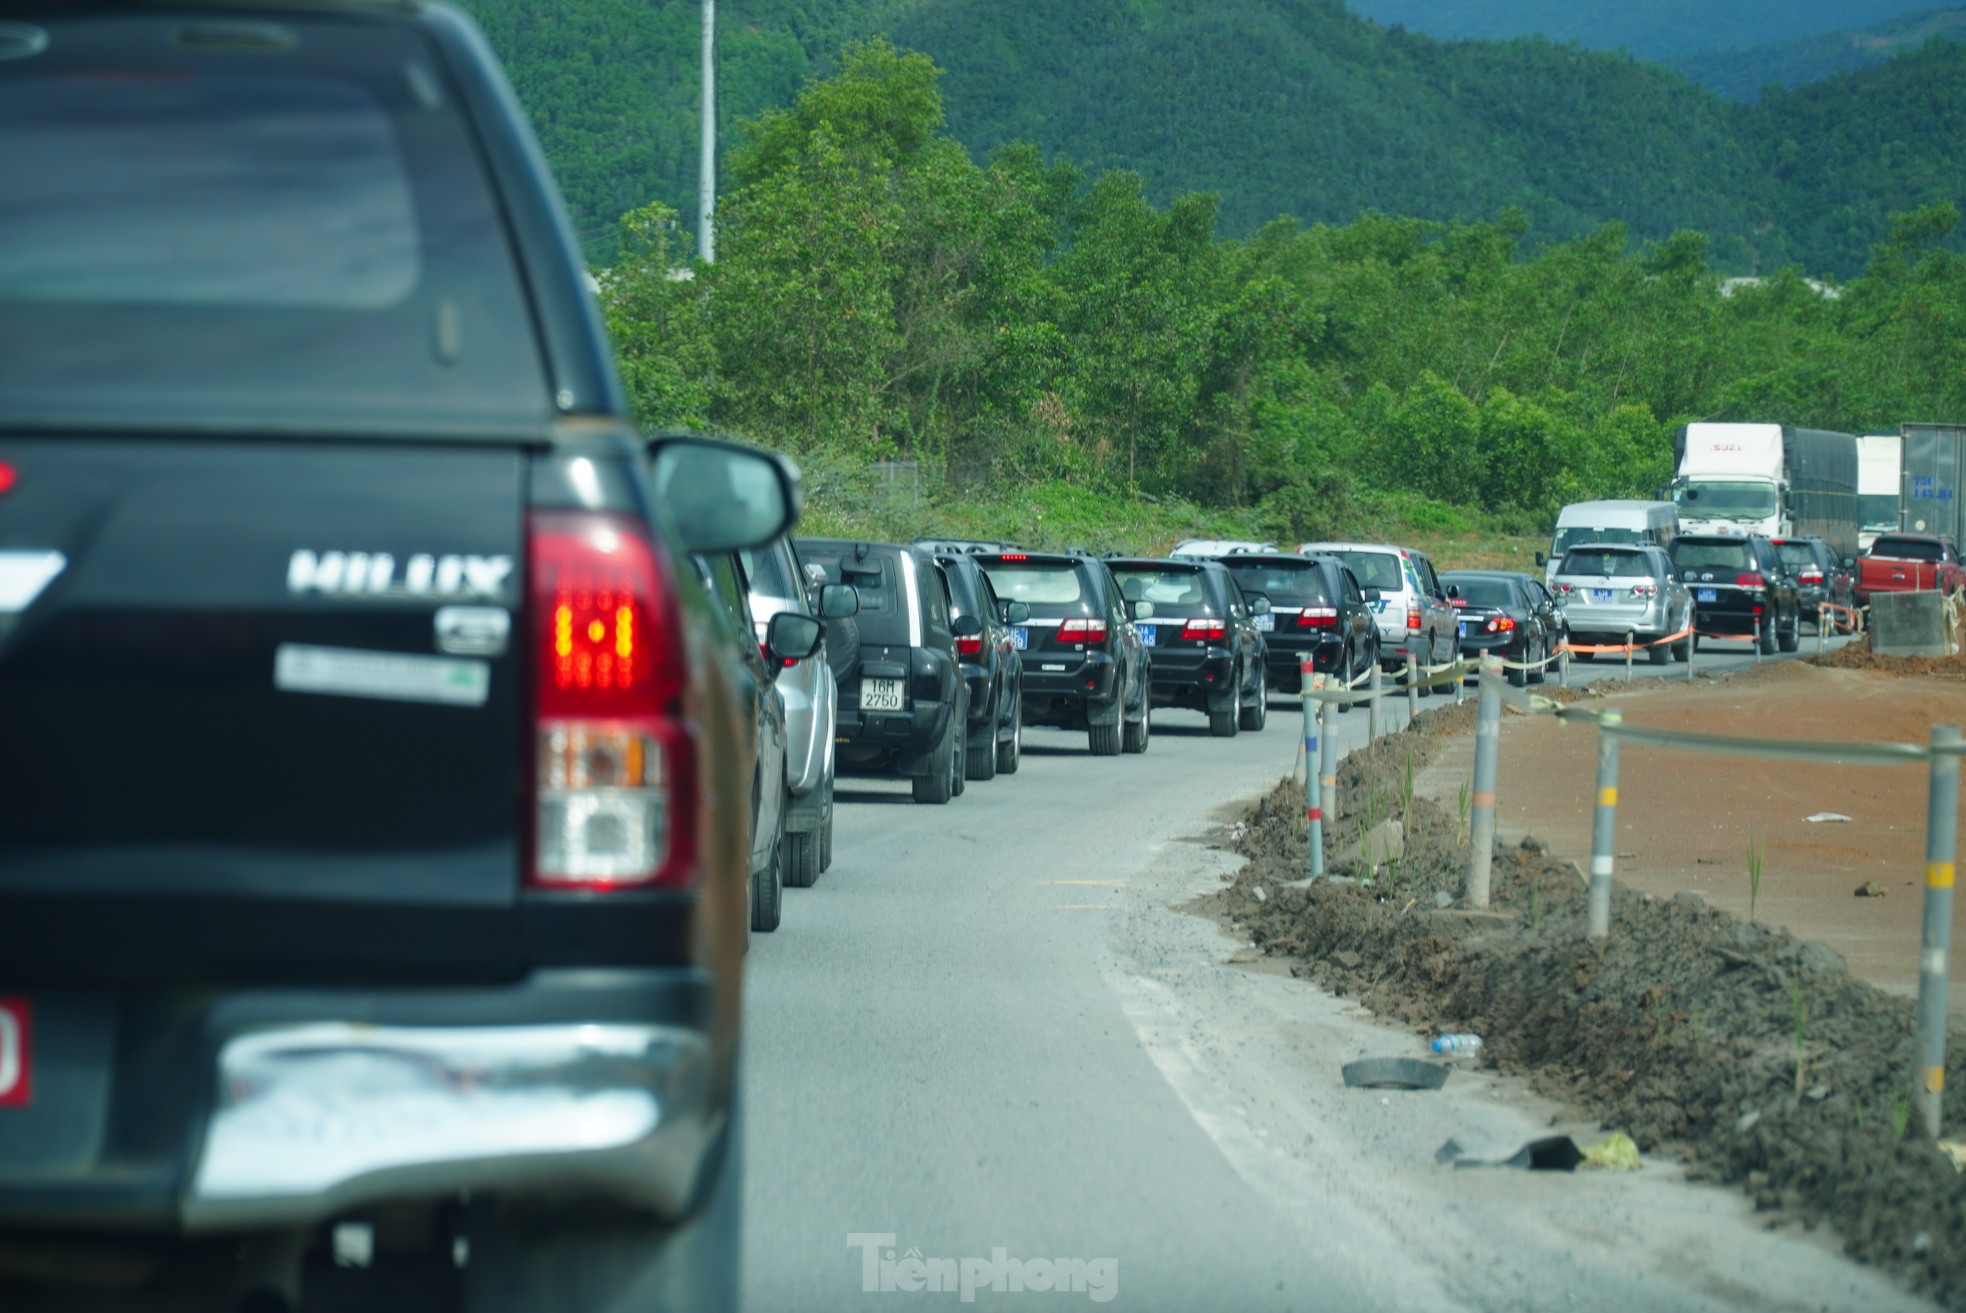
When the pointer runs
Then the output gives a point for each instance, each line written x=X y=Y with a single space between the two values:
x=1604 y=826
x=1629 y=638
x=1313 y=791
x=1481 y=805
x=1935 y=945
x=1372 y=707
x=1412 y=689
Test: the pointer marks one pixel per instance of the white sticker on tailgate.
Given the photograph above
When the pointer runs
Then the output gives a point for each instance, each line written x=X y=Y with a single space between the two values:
x=396 y=676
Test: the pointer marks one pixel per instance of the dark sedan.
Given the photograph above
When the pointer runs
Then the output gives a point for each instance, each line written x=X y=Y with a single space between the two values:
x=992 y=665
x=1820 y=575
x=1499 y=613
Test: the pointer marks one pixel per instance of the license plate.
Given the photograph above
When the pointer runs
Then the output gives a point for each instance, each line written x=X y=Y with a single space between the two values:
x=1705 y=595
x=1266 y=623
x=1601 y=594
x=1020 y=637
x=880 y=695
x=16 y=1053
x=1464 y=629
x=1148 y=634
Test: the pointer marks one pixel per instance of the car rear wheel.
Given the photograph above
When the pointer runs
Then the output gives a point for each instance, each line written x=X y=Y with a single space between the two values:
x=937 y=784
x=1657 y=654
x=1010 y=751
x=1254 y=715
x=1519 y=672
x=980 y=753
x=802 y=859
x=1134 y=734
x=826 y=826
x=1103 y=740
x=1222 y=724
x=1765 y=636
x=768 y=884
x=1791 y=638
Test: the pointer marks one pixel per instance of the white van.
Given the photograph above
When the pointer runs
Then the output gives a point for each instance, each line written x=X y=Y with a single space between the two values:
x=1653 y=522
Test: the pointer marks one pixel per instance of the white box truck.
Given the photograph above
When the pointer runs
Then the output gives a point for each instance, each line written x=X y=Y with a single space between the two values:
x=1880 y=467
x=1770 y=479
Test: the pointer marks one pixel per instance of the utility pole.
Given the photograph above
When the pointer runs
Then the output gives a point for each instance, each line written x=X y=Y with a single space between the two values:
x=706 y=184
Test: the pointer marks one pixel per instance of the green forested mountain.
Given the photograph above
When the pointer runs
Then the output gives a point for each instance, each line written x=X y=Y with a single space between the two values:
x=1650 y=29
x=1278 y=107
x=1742 y=74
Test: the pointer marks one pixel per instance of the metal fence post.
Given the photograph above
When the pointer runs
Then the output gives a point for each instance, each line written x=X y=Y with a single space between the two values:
x=1327 y=762
x=1481 y=805
x=1935 y=945
x=1563 y=666
x=1412 y=689
x=1313 y=791
x=1372 y=707
x=1604 y=824
x=1629 y=637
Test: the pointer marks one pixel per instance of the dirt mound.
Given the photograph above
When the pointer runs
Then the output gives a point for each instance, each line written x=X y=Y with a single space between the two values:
x=1751 y=1053
x=1858 y=656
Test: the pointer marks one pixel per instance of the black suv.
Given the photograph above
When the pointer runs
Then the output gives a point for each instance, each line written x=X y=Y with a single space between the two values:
x=992 y=664
x=904 y=704
x=1820 y=575
x=374 y=817
x=1317 y=609
x=1741 y=589
x=1084 y=666
x=1206 y=637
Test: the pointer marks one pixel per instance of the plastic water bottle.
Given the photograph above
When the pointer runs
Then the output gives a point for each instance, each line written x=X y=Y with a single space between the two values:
x=1457 y=1044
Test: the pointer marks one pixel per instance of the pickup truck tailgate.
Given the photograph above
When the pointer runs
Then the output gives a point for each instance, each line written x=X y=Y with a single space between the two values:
x=262 y=691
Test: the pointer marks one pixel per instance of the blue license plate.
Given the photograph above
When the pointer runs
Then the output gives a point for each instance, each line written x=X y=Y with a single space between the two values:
x=1705 y=595
x=1020 y=637
x=1601 y=594
x=1147 y=633
x=1464 y=629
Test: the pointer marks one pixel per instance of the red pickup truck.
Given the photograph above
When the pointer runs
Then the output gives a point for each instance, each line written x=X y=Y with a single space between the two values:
x=1909 y=562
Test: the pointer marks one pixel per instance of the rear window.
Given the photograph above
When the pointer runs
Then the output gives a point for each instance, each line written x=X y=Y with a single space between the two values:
x=282 y=225
x=1569 y=537
x=1711 y=556
x=1038 y=583
x=1282 y=583
x=872 y=577
x=1907 y=549
x=1379 y=570
x=1796 y=555
x=1166 y=589
x=1610 y=563
x=1484 y=592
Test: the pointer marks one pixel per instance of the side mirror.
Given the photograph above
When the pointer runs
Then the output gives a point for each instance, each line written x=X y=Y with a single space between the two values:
x=1542 y=559
x=1140 y=610
x=1849 y=562
x=838 y=601
x=793 y=637
x=966 y=626
x=1454 y=590
x=1371 y=594
x=1016 y=613
x=721 y=497
x=1259 y=604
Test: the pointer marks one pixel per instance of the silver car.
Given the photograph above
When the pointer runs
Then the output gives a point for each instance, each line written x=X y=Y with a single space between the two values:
x=806 y=690
x=1611 y=590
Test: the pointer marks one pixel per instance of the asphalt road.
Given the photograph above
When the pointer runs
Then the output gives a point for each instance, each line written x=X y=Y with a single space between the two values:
x=985 y=1037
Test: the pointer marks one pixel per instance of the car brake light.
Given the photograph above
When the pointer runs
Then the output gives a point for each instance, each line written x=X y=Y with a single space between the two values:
x=7 y=476
x=1810 y=577
x=1013 y=556
x=1413 y=620
x=1318 y=617
x=1566 y=588
x=614 y=776
x=1090 y=632
x=1750 y=581
x=971 y=646
x=1500 y=624
x=1205 y=630
x=1645 y=590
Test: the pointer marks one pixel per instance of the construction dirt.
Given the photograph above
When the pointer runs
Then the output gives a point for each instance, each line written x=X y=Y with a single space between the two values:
x=1776 y=1054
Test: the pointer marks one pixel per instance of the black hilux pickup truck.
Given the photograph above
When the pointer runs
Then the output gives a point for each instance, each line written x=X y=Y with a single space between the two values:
x=374 y=781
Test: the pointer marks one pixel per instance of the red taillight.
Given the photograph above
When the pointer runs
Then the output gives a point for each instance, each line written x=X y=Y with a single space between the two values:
x=1500 y=624
x=1090 y=632
x=1749 y=581
x=1645 y=590
x=1205 y=630
x=1413 y=620
x=1810 y=577
x=1318 y=617
x=1013 y=556
x=1565 y=588
x=615 y=760
x=7 y=476
x=970 y=647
